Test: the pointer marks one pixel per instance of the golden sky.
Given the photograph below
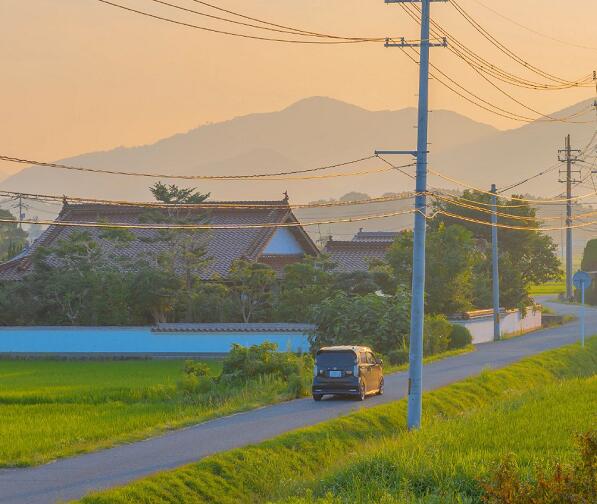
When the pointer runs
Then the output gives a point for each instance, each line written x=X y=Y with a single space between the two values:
x=80 y=76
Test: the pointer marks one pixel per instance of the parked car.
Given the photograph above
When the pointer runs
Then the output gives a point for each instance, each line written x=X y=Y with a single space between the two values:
x=347 y=370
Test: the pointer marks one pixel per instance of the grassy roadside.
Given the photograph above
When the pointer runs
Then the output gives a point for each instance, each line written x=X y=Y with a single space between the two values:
x=389 y=368
x=52 y=409
x=548 y=288
x=281 y=467
x=448 y=461
x=56 y=408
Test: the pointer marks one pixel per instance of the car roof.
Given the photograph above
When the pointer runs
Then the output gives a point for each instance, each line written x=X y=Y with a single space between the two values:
x=344 y=348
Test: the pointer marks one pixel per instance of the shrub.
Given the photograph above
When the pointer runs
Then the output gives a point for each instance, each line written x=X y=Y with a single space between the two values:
x=398 y=357
x=460 y=337
x=244 y=363
x=196 y=368
x=576 y=484
x=379 y=322
x=436 y=338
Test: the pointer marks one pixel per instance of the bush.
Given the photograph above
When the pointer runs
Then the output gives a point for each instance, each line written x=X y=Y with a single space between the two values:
x=460 y=337
x=436 y=338
x=398 y=357
x=379 y=322
x=244 y=363
x=196 y=368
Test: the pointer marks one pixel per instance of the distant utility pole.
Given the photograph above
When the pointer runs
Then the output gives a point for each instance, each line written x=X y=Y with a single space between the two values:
x=568 y=155
x=20 y=206
x=415 y=368
x=495 y=266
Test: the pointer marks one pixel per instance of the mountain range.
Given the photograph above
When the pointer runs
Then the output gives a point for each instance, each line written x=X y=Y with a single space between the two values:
x=315 y=132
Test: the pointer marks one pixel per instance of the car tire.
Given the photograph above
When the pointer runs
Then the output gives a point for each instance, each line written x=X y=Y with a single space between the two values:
x=362 y=391
x=381 y=386
x=317 y=397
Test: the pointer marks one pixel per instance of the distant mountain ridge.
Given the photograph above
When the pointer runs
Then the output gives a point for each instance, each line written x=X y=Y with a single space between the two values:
x=314 y=132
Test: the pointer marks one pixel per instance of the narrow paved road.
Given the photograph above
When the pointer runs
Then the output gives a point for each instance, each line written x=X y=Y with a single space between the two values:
x=74 y=477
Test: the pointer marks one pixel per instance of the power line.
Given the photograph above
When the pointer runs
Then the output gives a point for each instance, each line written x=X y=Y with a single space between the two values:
x=233 y=34
x=181 y=227
x=253 y=176
x=268 y=26
x=517 y=23
x=206 y=205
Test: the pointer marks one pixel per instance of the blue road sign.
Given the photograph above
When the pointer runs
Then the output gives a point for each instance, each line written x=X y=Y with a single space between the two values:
x=582 y=279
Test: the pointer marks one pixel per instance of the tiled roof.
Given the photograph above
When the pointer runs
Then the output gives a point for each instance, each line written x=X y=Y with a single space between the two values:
x=375 y=236
x=223 y=246
x=234 y=327
x=351 y=256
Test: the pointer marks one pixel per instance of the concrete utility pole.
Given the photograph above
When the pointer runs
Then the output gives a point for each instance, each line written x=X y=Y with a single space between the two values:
x=415 y=369
x=567 y=155
x=495 y=266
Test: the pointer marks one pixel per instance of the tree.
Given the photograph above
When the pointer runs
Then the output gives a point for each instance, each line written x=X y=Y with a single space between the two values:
x=527 y=257
x=251 y=287
x=451 y=259
x=185 y=256
x=305 y=284
x=373 y=320
x=12 y=238
x=589 y=263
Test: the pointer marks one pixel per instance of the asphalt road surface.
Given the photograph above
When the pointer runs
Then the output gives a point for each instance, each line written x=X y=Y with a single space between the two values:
x=74 y=477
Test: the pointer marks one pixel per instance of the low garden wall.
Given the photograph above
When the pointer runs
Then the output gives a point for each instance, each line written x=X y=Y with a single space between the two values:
x=511 y=322
x=198 y=339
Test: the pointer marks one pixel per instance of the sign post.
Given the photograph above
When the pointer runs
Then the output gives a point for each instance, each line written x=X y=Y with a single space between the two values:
x=582 y=281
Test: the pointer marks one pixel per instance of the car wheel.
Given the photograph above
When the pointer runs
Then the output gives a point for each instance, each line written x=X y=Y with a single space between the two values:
x=381 y=384
x=317 y=397
x=362 y=391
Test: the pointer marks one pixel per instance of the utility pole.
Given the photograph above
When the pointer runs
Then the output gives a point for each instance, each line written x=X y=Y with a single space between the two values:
x=415 y=368
x=20 y=206
x=495 y=266
x=568 y=155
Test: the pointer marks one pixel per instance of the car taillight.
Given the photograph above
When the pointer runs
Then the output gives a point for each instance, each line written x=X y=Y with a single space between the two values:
x=348 y=373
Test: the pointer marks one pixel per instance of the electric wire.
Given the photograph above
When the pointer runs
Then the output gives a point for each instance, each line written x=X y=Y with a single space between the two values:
x=208 y=205
x=536 y=32
x=182 y=227
x=286 y=175
x=232 y=34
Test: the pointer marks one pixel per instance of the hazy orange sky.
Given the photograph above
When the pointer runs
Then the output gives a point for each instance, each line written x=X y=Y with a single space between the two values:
x=80 y=76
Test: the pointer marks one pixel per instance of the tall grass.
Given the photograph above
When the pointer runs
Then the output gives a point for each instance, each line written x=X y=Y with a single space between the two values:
x=296 y=462
x=51 y=409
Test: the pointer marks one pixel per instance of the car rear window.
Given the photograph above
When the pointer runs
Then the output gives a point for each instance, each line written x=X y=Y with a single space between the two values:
x=336 y=359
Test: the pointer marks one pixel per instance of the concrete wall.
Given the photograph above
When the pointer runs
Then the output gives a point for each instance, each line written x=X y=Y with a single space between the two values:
x=136 y=340
x=511 y=322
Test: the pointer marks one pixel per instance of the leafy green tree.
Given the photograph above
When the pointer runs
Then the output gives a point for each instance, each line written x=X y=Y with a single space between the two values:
x=527 y=257
x=251 y=288
x=305 y=284
x=185 y=256
x=12 y=238
x=451 y=259
x=377 y=321
x=589 y=263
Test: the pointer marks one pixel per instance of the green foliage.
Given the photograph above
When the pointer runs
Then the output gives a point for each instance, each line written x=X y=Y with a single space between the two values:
x=196 y=368
x=369 y=456
x=243 y=363
x=436 y=334
x=577 y=483
x=379 y=322
x=589 y=263
x=306 y=284
x=526 y=257
x=451 y=259
x=12 y=238
x=460 y=337
x=251 y=286
x=398 y=357
x=173 y=194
